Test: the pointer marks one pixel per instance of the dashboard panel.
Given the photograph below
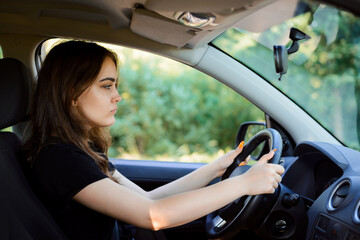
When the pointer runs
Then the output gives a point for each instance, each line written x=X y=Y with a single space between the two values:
x=311 y=174
x=327 y=176
x=326 y=173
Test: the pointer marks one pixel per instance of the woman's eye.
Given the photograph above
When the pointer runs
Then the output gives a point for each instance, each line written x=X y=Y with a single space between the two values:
x=107 y=86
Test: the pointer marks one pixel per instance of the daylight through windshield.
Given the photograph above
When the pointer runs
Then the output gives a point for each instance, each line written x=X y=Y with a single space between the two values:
x=323 y=77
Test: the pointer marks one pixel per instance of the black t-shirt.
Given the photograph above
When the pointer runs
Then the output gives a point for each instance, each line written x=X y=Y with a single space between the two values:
x=61 y=171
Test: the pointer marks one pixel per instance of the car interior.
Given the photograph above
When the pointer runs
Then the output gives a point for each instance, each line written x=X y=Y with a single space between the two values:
x=319 y=196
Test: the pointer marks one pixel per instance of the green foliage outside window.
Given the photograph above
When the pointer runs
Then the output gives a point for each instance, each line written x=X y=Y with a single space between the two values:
x=8 y=129
x=170 y=110
x=323 y=76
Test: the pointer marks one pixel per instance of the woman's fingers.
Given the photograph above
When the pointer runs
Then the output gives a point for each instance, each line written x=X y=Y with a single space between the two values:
x=275 y=184
x=227 y=159
x=278 y=178
x=265 y=177
x=239 y=149
x=266 y=157
x=233 y=153
x=278 y=168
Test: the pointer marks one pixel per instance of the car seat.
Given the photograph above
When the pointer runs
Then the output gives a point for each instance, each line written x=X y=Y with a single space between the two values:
x=22 y=216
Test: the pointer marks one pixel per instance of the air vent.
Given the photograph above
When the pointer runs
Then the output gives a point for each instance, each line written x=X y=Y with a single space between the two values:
x=357 y=213
x=338 y=195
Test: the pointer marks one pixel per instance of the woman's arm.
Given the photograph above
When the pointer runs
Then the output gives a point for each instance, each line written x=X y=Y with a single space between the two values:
x=117 y=201
x=194 y=180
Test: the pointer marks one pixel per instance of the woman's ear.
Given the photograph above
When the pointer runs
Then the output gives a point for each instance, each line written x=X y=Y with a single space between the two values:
x=74 y=103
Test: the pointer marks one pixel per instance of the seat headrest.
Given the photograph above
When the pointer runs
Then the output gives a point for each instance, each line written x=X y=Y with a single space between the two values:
x=15 y=89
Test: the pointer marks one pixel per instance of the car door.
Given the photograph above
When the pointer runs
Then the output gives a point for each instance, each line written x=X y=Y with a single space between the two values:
x=149 y=174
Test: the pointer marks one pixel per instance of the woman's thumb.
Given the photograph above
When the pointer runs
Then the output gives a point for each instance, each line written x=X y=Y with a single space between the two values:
x=238 y=150
x=267 y=157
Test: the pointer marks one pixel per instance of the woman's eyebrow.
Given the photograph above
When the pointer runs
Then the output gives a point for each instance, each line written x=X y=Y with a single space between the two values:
x=108 y=78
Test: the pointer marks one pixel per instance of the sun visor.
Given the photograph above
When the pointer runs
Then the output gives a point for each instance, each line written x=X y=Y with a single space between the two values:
x=160 y=29
x=198 y=5
x=189 y=26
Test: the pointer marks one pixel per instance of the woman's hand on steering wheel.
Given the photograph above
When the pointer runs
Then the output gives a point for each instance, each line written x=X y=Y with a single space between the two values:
x=223 y=162
x=263 y=177
x=258 y=182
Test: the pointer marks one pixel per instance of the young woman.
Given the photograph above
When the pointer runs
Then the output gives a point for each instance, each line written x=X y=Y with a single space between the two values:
x=74 y=101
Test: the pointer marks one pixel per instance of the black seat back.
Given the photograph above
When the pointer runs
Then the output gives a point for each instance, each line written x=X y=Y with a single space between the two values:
x=22 y=216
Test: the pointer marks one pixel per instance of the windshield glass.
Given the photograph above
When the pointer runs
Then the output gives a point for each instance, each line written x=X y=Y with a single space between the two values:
x=323 y=76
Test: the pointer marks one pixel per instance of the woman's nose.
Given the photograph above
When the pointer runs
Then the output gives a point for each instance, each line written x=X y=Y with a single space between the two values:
x=117 y=98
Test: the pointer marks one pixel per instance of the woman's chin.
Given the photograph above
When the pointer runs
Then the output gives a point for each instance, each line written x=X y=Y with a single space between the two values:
x=104 y=124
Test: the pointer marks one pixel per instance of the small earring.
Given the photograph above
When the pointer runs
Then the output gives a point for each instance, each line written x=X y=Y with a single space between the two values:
x=74 y=103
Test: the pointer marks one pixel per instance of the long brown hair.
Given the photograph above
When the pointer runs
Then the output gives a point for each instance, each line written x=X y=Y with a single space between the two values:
x=68 y=70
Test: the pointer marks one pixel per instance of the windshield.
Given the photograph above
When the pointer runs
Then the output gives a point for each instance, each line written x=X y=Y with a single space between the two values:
x=323 y=76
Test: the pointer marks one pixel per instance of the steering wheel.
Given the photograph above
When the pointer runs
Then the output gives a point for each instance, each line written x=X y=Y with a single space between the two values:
x=244 y=212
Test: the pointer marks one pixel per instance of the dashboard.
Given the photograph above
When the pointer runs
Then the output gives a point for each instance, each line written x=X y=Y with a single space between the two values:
x=327 y=178
x=311 y=174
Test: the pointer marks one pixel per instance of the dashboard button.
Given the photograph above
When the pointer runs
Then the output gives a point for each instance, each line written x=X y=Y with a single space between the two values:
x=323 y=223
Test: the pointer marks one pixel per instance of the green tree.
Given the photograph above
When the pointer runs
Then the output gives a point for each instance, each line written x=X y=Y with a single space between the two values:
x=323 y=76
x=171 y=109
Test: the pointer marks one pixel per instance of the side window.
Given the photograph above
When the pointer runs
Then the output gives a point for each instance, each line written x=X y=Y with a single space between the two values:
x=172 y=112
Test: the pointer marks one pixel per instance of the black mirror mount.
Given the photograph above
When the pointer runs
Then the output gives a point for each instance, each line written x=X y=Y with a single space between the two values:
x=281 y=52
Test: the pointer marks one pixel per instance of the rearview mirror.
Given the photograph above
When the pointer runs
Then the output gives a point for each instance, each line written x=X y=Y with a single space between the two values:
x=281 y=59
x=281 y=52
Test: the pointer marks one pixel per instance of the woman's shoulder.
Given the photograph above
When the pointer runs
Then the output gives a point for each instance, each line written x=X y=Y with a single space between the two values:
x=61 y=153
x=62 y=169
x=57 y=146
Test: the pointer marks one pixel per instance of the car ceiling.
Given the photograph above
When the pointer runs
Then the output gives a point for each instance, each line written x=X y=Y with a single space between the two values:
x=153 y=19
x=102 y=19
x=139 y=23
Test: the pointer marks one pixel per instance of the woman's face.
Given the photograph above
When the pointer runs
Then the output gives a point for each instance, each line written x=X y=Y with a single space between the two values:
x=97 y=104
